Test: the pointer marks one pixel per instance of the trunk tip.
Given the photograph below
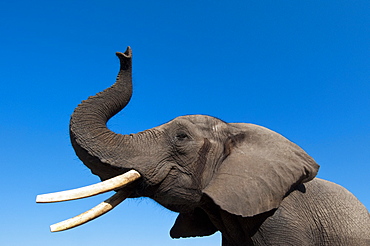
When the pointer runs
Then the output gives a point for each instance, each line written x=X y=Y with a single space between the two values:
x=126 y=54
x=125 y=59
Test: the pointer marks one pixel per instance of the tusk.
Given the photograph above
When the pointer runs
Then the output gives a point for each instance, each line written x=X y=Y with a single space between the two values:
x=91 y=214
x=91 y=190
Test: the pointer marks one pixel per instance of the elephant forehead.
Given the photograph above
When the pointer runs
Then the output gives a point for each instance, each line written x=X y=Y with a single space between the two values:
x=197 y=125
x=204 y=121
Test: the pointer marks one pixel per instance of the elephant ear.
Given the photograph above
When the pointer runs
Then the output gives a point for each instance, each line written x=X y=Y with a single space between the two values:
x=261 y=168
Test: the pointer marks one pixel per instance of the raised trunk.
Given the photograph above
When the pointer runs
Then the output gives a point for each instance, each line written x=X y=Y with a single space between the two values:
x=97 y=146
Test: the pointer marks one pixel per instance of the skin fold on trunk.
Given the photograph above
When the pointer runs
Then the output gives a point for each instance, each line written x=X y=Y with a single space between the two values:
x=97 y=146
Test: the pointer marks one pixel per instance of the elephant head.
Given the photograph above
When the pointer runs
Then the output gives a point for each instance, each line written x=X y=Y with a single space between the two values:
x=191 y=161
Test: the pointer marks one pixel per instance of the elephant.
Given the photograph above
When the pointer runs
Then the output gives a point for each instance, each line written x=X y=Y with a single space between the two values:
x=248 y=182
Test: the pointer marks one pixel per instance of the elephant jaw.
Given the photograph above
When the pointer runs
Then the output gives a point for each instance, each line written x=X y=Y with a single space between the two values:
x=117 y=182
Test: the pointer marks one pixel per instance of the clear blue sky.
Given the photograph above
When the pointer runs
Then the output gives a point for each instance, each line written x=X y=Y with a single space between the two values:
x=301 y=68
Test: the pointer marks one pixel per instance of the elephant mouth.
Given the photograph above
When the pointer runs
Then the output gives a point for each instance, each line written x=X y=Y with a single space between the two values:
x=117 y=183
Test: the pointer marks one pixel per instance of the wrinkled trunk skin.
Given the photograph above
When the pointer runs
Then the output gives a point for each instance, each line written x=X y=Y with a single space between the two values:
x=97 y=146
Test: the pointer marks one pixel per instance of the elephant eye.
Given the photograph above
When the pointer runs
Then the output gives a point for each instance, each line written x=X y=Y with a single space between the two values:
x=182 y=136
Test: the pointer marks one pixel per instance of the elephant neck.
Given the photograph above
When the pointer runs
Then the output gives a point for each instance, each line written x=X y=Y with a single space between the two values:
x=235 y=229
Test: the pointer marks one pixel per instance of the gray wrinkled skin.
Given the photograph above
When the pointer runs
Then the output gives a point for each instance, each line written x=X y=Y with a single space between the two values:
x=250 y=183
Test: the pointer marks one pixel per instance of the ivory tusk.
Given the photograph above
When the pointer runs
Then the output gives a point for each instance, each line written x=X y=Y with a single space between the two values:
x=91 y=214
x=91 y=190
